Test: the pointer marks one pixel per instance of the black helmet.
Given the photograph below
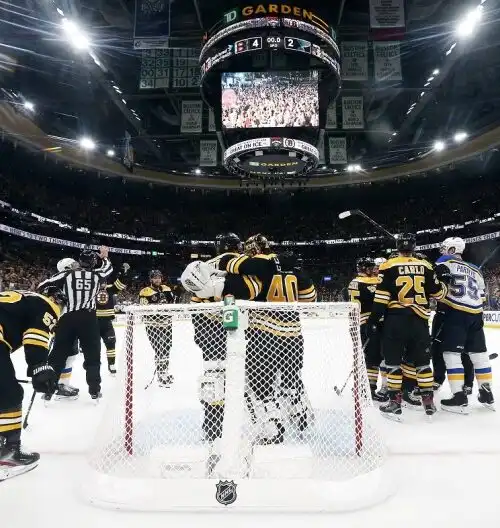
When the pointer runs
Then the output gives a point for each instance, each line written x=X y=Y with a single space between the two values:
x=227 y=242
x=155 y=273
x=406 y=242
x=257 y=244
x=88 y=259
x=364 y=263
x=55 y=292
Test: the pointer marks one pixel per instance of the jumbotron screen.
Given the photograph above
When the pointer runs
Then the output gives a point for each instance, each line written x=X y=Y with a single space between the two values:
x=270 y=99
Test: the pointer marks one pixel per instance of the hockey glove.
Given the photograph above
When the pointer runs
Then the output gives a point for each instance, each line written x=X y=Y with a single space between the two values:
x=125 y=267
x=44 y=379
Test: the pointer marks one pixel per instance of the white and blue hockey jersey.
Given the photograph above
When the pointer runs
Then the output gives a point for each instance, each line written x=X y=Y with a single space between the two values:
x=466 y=289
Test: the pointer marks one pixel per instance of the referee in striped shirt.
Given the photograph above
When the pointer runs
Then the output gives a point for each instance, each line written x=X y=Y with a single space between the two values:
x=79 y=321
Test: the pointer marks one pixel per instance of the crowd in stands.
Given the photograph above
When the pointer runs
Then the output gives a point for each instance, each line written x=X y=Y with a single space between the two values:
x=171 y=215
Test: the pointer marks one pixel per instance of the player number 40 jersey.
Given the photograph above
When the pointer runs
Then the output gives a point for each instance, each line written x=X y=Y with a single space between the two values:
x=466 y=286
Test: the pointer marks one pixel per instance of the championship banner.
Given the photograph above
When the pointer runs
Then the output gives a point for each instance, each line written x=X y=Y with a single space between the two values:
x=354 y=61
x=387 y=60
x=208 y=153
x=151 y=24
x=352 y=113
x=128 y=152
x=387 y=14
x=191 y=118
x=211 y=120
x=331 y=116
x=321 y=150
x=337 y=147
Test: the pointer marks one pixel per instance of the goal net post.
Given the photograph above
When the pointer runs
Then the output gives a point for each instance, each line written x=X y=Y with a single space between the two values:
x=251 y=417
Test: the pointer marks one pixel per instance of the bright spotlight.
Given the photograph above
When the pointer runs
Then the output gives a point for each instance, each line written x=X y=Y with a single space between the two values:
x=394 y=133
x=435 y=72
x=110 y=153
x=197 y=171
x=439 y=145
x=29 y=106
x=76 y=37
x=459 y=137
x=87 y=143
x=353 y=168
x=468 y=24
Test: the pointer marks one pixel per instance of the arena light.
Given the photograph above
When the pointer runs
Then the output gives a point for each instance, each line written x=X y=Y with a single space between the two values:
x=345 y=214
x=87 y=143
x=394 y=133
x=76 y=37
x=460 y=136
x=110 y=153
x=29 y=106
x=435 y=72
x=439 y=145
x=197 y=171
x=469 y=23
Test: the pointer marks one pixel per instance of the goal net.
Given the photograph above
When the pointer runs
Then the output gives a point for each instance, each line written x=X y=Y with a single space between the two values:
x=254 y=407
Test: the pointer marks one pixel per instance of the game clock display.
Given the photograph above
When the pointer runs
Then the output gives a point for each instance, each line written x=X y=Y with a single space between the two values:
x=272 y=42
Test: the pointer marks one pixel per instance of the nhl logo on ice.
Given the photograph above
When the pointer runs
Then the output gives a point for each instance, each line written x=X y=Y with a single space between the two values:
x=226 y=492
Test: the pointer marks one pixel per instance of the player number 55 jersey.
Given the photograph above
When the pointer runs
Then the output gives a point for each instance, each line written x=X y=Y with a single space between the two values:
x=466 y=286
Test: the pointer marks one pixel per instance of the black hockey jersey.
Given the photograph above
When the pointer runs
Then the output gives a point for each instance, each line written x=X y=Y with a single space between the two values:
x=106 y=297
x=362 y=290
x=242 y=287
x=156 y=295
x=406 y=285
x=279 y=283
x=27 y=319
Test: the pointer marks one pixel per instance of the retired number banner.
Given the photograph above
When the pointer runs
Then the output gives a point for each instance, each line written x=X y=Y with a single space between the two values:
x=208 y=153
x=331 y=116
x=387 y=59
x=352 y=112
x=191 y=117
x=337 y=147
x=387 y=13
x=151 y=24
x=354 y=61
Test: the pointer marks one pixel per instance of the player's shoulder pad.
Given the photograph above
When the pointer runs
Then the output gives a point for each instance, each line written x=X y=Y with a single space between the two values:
x=146 y=292
x=263 y=256
x=46 y=301
x=165 y=288
x=222 y=260
x=367 y=280
x=398 y=261
x=444 y=258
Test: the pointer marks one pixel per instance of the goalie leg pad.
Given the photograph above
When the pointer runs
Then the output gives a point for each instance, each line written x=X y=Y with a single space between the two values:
x=269 y=416
x=212 y=387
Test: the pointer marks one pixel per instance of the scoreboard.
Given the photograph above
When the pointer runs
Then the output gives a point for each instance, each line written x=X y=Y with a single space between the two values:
x=272 y=42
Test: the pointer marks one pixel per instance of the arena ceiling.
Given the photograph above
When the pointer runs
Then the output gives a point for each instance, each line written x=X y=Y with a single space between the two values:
x=97 y=95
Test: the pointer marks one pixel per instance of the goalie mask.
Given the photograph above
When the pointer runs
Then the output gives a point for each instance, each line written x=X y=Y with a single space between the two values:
x=200 y=279
x=452 y=246
x=257 y=244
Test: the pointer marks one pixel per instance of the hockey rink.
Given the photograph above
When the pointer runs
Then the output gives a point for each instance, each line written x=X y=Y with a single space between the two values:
x=446 y=472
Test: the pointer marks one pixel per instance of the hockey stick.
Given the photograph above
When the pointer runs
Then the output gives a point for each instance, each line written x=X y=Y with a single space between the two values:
x=23 y=381
x=335 y=388
x=357 y=212
x=25 y=423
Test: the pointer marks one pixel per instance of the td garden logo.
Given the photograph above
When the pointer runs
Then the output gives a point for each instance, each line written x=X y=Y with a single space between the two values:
x=275 y=10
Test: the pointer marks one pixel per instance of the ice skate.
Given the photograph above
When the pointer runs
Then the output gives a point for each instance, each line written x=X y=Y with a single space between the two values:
x=392 y=409
x=381 y=396
x=66 y=392
x=485 y=396
x=95 y=395
x=411 y=400
x=14 y=461
x=467 y=389
x=112 y=369
x=457 y=404
x=428 y=404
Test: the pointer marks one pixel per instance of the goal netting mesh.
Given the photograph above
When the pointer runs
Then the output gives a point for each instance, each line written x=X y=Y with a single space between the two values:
x=273 y=414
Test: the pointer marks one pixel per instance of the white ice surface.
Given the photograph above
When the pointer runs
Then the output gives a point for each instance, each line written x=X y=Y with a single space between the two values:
x=447 y=473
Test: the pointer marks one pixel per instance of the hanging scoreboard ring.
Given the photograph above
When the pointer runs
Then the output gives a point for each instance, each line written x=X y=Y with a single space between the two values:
x=271 y=156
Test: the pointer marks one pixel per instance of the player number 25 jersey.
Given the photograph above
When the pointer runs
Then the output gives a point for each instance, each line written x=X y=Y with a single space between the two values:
x=466 y=286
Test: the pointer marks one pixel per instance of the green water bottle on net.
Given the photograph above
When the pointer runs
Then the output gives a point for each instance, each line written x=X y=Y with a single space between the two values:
x=230 y=313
